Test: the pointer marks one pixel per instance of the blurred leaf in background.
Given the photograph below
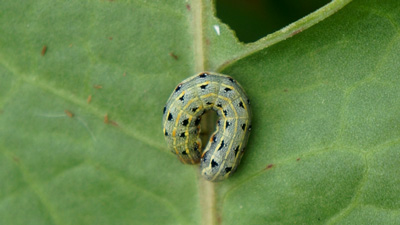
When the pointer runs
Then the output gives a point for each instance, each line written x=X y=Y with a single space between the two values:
x=254 y=19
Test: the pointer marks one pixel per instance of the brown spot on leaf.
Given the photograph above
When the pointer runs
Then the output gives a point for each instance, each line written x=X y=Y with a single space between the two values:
x=296 y=32
x=219 y=219
x=106 y=119
x=44 y=50
x=173 y=55
x=269 y=166
x=89 y=99
x=68 y=113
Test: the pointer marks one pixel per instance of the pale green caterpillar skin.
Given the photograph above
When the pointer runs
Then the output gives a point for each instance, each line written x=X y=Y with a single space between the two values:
x=182 y=115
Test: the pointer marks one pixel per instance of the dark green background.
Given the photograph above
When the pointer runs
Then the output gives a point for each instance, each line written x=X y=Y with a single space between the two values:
x=254 y=19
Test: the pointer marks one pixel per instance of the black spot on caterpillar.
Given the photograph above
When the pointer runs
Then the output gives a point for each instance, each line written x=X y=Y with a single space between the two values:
x=204 y=86
x=227 y=89
x=213 y=163
x=182 y=116
x=197 y=121
x=185 y=122
x=170 y=117
x=236 y=150
x=178 y=88
x=203 y=75
x=222 y=145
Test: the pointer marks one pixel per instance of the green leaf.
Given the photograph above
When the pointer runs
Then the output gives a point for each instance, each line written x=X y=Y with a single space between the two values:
x=325 y=142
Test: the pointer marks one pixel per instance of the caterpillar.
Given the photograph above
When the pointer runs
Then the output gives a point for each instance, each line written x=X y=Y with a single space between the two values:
x=182 y=116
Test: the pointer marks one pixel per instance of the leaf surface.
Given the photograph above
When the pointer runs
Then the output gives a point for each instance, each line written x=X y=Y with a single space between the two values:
x=80 y=122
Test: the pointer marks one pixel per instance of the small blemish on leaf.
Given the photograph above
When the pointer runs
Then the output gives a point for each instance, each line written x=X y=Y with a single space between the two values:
x=173 y=55
x=68 y=113
x=219 y=219
x=115 y=124
x=44 y=50
x=269 y=166
x=296 y=32
x=106 y=121
x=89 y=99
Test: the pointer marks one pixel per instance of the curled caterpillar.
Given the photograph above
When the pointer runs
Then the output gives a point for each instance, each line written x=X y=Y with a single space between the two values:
x=182 y=115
